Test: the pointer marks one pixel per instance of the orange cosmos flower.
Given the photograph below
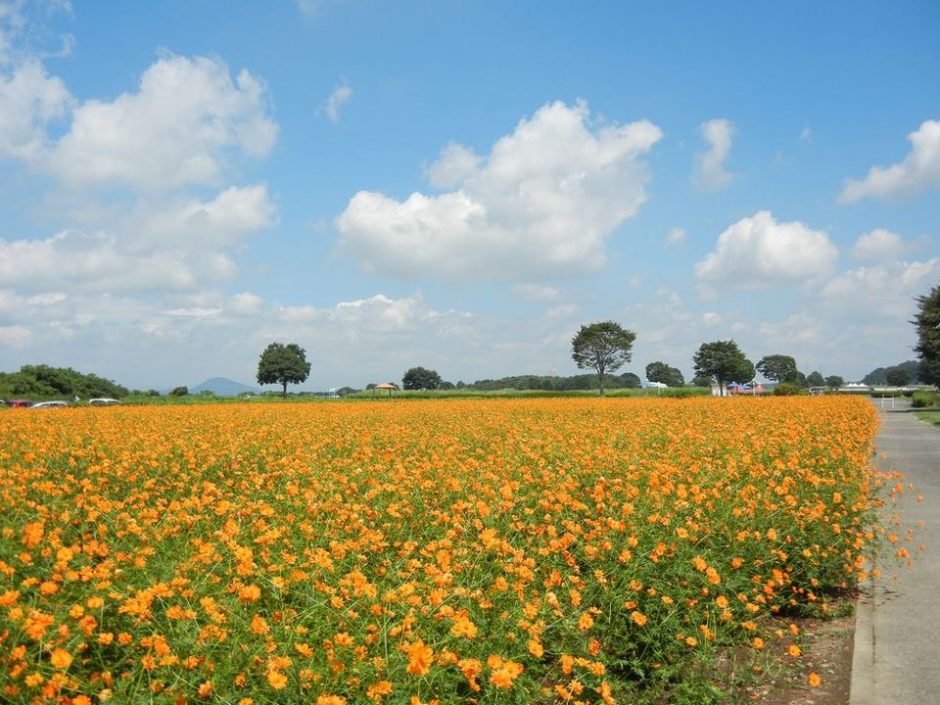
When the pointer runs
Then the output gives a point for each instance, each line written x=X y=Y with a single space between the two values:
x=249 y=593
x=504 y=672
x=420 y=657
x=61 y=659
x=259 y=625
x=379 y=690
x=276 y=679
x=464 y=627
x=471 y=668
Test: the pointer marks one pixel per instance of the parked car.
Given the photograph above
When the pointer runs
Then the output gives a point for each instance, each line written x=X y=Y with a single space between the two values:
x=51 y=405
x=103 y=401
x=19 y=403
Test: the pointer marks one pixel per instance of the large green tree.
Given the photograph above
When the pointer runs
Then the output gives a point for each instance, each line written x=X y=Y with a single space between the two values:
x=602 y=347
x=283 y=364
x=898 y=377
x=927 y=322
x=421 y=378
x=834 y=381
x=723 y=361
x=778 y=368
x=815 y=379
x=666 y=374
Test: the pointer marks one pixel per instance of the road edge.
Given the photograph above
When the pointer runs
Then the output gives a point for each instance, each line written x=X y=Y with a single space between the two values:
x=862 y=688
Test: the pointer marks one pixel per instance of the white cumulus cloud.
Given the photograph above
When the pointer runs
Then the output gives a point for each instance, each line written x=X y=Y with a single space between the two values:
x=759 y=251
x=29 y=100
x=887 y=289
x=455 y=165
x=187 y=118
x=878 y=244
x=161 y=246
x=710 y=173
x=245 y=303
x=543 y=201
x=86 y=261
x=918 y=171
x=223 y=221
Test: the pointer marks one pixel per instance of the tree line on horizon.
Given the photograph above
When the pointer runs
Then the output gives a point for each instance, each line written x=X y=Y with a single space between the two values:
x=603 y=347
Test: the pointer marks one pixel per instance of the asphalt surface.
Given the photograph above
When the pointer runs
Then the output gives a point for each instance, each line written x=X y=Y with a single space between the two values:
x=897 y=633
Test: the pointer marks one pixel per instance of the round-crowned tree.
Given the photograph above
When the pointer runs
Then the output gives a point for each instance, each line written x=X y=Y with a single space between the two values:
x=283 y=364
x=665 y=374
x=421 y=378
x=602 y=347
x=723 y=361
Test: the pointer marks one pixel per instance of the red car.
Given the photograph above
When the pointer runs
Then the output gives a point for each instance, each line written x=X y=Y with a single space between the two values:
x=19 y=403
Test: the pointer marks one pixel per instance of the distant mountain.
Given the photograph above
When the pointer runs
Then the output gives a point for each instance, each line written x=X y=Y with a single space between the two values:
x=222 y=387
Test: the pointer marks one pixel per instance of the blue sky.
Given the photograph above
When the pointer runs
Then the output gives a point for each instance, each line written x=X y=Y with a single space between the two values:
x=461 y=185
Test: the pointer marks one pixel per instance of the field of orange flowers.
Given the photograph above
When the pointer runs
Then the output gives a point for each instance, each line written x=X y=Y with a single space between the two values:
x=484 y=551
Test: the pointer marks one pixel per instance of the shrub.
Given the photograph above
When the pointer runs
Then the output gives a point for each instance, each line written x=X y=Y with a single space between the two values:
x=921 y=400
x=786 y=389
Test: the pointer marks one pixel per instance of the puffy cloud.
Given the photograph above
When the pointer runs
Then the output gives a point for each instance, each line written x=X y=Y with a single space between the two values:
x=337 y=99
x=806 y=135
x=376 y=314
x=878 y=244
x=161 y=246
x=455 y=165
x=759 y=251
x=227 y=219
x=245 y=303
x=186 y=118
x=919 y=170
x=29 y=100
x=887 y=289
x=543 y=201
x=86 y=261
x=710 y=173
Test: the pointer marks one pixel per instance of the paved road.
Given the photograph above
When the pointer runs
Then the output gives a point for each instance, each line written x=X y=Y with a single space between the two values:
x=897 y=634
